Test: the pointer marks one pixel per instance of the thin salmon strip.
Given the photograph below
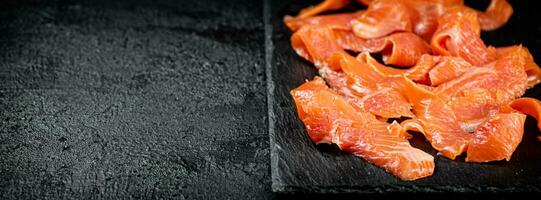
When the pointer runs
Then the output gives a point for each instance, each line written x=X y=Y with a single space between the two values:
x=329 y=118
x=362 y=78
x=432 y=70
x=387 y=103
x=458 y=34
x=480 y=92
x=505 y=78
x=335 y=21
x=496 y=15
x=417 y=73
x=399 y=49
x=326 y=5
x=429 y=11
x=532 y=69
x=439 y=124
x=316 y=44
x=384 y=17
x=497 y=138
x=528 y=106
x=447 y=68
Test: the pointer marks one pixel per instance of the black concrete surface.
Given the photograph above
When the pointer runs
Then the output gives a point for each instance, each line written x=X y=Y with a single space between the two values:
x=133 y=99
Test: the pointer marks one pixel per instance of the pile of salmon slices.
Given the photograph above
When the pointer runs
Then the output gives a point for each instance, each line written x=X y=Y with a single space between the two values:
x=422 y=61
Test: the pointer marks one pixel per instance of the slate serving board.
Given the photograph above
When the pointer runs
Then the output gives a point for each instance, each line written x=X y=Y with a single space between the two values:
x=298 y=165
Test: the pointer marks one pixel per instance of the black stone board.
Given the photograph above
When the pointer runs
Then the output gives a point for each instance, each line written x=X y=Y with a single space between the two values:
x=298 y=165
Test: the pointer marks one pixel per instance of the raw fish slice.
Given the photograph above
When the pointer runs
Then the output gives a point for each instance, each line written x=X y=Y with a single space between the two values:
x=362 y=78
x=326 y=5
x=384 y=17
x=399 y=49
x=529 y=106
x=532 y=69
x=316 y=44
x=335 y=21
x=497 y=138
x=458 y=34
x=439 y=124
x=429 y=11
x=496 y=15
x=329 y=118
x=417 y=73
x=387 y=103
x=447 y=68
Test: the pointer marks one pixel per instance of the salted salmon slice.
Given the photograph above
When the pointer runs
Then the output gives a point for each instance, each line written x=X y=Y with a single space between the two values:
x=429 y=11
x=417 y=73
x=398 y=49
x=362 y=79
x=329 y=118
x=439 y=123
x=335 y=21
x=532 y=69
x=431 y=70
x=497 y=138
x=458 y=34
x=447 y=68
x=316 y=44
x=496 y=15
x=383 y=102
x=386 y=103
x=384 y=17
x=326 y=5
x=481 y=91
x=529 y=106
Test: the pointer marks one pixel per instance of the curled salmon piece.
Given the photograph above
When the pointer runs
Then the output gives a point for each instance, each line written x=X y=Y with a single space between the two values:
x=428 y=12
x=447 y=68
x=329 y=118
x=335 y=21
x=355 y=84
x=398 y=49
x=480 y=92
x=431 y=70
x=497 y=138
x=316 y=44
x=532 y=69
x=436 y=121
x=505 y=78
x=496 y=15
x=326 y=5
x=417 y=73
x=386 y=103
x=362 y=78
x=384 y=17
x=529 y=106
x=458 y=34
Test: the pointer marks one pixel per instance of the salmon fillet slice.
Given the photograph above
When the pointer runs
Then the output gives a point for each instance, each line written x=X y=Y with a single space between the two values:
x=329 y=118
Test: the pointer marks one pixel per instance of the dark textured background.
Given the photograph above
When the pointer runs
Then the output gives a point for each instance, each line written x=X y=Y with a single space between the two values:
x=128 y=98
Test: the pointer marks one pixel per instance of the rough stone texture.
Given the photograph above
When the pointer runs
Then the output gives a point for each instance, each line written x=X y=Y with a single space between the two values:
x=300 y=166
x=133 y=99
